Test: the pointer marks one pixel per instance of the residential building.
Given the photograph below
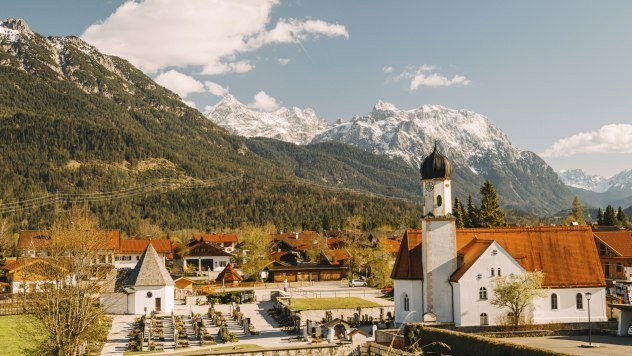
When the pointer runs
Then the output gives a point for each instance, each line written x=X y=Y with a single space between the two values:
x=130 y=251
x=226 y=242
x=204 y=257
x=615 y=253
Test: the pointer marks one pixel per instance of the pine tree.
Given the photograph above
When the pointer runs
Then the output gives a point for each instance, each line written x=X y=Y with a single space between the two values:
x=459 y=213
x=609 y=217
x=599 y=217
x=490 y=214
x=621 y=217
x=472 y=213
x=577 y=213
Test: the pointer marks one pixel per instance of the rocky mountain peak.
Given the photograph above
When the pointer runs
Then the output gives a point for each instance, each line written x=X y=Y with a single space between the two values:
x=16 y=24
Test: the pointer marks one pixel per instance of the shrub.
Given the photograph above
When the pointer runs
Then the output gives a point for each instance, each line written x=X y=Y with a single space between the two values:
x=416 y=335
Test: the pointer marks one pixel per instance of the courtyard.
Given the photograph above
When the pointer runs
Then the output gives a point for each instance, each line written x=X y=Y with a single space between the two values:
x=570 y=345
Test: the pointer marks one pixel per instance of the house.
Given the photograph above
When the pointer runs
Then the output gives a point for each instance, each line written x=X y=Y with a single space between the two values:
x=615 y=253
x=300 y=243
x=229 y=276
x=182 y=287
x=226 y=242
x=129 y=251
x=28 y=273
x=324 y=270
x=446 y=275
x=145 y=288
x=36 y=243
x=204 y=257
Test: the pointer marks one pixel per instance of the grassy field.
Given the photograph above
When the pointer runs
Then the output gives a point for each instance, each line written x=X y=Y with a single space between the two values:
x=299 y=304
x=18 y=333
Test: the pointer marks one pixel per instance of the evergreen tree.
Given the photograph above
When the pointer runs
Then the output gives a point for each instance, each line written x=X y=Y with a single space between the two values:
x=609 y=216
x=459 y=213
x=577 y=213
x=490 y=214
x=600 y=217
x=621 y=217
x=472 y=213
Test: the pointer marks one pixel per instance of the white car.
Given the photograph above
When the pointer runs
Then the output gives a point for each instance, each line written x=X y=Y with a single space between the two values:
x=357 y=283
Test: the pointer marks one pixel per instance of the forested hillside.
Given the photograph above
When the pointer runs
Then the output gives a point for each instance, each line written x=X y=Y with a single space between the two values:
x=75 y=121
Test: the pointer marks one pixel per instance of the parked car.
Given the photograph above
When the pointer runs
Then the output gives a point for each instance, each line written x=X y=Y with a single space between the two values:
x=386 y=290
x=357 y=283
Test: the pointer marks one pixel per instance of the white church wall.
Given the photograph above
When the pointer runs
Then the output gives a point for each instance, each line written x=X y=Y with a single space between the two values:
x=567 y=311
x=470 y=305
x=413 y=289
x=142 y=301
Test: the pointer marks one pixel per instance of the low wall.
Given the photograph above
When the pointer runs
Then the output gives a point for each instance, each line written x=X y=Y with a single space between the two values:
x=468 y=344
x=344 y=314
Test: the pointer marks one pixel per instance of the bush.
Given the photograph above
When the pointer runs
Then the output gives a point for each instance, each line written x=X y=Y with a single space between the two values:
x=238 y=297
x=416 y=335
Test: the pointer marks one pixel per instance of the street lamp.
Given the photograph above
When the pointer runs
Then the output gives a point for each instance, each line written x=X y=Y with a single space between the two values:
x=588 y=295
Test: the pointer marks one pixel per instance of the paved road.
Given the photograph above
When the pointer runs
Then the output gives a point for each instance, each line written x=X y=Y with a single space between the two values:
x=610 y=345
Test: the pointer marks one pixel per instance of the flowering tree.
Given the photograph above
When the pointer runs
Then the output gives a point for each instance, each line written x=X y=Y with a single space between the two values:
x=516 y=292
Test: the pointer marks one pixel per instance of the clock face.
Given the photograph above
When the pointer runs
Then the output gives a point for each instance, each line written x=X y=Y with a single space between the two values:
x=429 y=186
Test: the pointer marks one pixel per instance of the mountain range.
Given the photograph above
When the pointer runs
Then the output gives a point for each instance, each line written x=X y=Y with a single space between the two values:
x=599 y=191
x=81 y=126
x=477 y=148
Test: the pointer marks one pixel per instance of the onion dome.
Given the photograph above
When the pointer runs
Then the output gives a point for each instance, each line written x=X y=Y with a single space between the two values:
x=436 y=166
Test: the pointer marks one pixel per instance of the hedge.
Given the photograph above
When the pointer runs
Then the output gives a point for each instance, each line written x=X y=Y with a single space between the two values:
x=417 y=335
x=245 y=296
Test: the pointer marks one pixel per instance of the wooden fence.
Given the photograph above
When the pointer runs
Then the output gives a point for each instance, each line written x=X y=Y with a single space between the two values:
x=12 y=304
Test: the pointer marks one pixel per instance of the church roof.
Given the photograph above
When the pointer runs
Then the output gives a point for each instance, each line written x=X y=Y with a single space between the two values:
x=567 y=255
x=150 y=270
x=470 y=253
x=435 y=166
x=408 y=262
x=229 y=275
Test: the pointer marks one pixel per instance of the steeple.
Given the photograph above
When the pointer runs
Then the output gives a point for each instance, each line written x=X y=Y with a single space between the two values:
x=435 y=166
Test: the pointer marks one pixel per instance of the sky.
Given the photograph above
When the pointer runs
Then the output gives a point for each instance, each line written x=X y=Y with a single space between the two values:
x=554 y=76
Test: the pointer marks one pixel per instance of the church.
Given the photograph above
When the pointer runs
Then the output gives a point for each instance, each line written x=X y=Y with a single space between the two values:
x=445 y=275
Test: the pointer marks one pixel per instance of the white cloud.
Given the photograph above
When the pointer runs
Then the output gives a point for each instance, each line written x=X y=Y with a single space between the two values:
x=190 y=103
x=215 y=88
x=613 y=138
x=284 y=61
x=264 y=102
x=179 y=83
x=388 y=69
x=156 y=34
x=426 y=75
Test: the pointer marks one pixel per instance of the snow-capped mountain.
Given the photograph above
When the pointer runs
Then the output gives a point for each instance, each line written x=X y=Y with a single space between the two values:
x=577 y=178
x=477 y=148
x=286 y=124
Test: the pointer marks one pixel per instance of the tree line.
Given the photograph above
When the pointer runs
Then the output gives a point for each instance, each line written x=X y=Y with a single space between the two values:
x=488 y=215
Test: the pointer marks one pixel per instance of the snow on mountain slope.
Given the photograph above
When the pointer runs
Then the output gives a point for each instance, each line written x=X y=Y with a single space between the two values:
x=577 y=178
x=286 y=124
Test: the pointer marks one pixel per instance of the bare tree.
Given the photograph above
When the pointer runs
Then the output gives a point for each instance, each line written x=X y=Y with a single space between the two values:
x=8 y=243
x=516 y=292
x=145 y=229
x=257 y=244
x=66 y=296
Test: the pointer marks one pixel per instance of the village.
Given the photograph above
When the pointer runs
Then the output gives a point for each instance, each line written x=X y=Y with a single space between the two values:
x=337 y=292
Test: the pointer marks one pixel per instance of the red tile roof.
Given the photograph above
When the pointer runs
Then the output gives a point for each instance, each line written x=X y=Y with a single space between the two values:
x=215 y=238
x=390 y=245
x=229 y=275
x=40 y=239
x=338 y=255
x=138 y=246
x=567 y=255
x=206 y=249
x=408 y=262
x=618 y=241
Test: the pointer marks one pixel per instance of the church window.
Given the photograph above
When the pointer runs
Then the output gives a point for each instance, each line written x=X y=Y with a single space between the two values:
x=498 y=271
x=492 y=272
x=439 y=200
x=484 y=319
x=406 y=302
x=579 y=301
x=482 y=293
x=553 y=301
x=510 y=318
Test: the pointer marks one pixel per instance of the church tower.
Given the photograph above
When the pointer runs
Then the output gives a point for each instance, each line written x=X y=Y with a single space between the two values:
x=438 y=246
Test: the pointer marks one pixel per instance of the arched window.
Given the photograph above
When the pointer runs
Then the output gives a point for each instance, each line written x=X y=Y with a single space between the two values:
x=510 y=318
x=484 y=319
x=498 y=271
x=492 y=271
x=482 y=293
x=439 y=200
x=406 y=302
x=579 y=301
x=553 y=301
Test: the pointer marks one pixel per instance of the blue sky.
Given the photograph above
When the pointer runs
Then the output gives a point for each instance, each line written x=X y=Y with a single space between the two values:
x=553 y=75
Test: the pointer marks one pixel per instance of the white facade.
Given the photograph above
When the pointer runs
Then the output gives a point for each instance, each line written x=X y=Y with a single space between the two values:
x=160 y=301
x=437 y=197
x=218 y=262
x=129 y=260
x=411 y=290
